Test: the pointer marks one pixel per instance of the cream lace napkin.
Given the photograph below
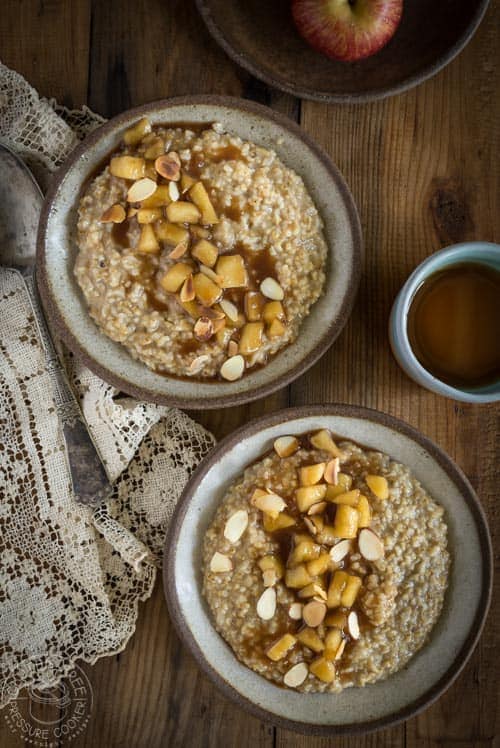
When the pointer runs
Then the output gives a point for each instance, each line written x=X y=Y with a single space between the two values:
x=71 y=578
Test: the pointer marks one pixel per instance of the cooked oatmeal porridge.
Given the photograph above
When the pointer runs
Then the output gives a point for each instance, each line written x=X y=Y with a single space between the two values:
x=198 y=251
x=325 y=565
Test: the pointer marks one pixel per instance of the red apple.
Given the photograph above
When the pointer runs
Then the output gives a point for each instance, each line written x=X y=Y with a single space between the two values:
x=347 y=30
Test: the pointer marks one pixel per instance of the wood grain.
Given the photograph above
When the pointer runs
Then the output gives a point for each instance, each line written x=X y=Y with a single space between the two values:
x=424 y=170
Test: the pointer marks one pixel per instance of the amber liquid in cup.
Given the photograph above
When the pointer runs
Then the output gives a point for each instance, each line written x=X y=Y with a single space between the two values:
x=454 y=325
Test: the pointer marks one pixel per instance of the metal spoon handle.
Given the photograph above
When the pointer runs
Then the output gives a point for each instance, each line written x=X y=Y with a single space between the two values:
x=90 y=482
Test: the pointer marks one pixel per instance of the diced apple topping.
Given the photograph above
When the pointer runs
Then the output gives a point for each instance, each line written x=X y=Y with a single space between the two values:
x=378 y=485
x=310 y=638
x=323 y=440
x=127 y=167
x=251 y=338
x=279 y=649
x=148 y=242
x=182 y=212
x=285 y=446
x=205 y=252
x=135 y=134
x=175 y=276
x=200 y=198
x=306 y=496
x=311 y=474
x=323 y=669
x=232 y=270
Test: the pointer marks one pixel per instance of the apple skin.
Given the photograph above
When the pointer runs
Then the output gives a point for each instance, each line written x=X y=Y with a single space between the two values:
x=347 y=30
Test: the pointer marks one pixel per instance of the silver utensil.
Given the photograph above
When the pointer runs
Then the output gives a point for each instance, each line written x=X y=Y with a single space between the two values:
x=20 y=205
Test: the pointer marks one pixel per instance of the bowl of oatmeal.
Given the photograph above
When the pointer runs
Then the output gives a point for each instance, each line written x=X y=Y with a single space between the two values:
x=312 y=569
x=199 y=252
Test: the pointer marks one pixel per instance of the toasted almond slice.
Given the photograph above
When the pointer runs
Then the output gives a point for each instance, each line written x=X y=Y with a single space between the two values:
x=233 y=368
x=271 y=289
x=232 y=348
x=296 y=675
x=236 y=526
x=141 y=190
x=115 y=214
x=178 y=251
x=168 y=167
x=370 y=546
x=269 y=577
x=220 y=562
x=173 y=191
x=295 y=611
x=317 y=508
x=340 y=551
x=198 y=363
x=331 y=474
x=187 y=290
x=310 y=526
x=269 y=503
x=211 y=313
x=203 y=328
x=284 y=446
x=210 y=274
x=314 y=613
x=229 y=309
x=340 y=650
x=353 y=625
x=266 y=604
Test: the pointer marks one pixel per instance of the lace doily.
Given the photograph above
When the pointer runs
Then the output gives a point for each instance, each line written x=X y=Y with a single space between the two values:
x=71 y=578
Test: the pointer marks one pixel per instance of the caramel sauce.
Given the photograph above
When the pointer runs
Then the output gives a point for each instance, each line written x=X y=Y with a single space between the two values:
x=228 y=153
x=283 y=545
x=119 y=233
x=454 y=325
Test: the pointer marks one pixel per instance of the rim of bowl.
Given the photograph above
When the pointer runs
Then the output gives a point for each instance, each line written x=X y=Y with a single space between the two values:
x=454 y=473
x=246 y=62
x=332 y=331
x=398 y=327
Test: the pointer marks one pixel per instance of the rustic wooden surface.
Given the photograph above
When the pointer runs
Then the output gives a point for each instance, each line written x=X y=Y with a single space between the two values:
x=424 y=170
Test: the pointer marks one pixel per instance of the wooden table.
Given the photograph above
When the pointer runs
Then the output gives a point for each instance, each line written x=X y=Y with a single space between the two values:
x=424 y=171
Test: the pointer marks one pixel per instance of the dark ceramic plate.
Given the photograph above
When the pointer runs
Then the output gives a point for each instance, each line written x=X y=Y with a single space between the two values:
x=261 y=37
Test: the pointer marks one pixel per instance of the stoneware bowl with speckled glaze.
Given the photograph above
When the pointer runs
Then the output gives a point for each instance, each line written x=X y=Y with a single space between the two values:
x=56 y=251
x=453 y=638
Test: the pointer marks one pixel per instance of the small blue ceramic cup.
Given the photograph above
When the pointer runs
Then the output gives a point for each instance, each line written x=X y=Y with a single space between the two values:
x=477 y=252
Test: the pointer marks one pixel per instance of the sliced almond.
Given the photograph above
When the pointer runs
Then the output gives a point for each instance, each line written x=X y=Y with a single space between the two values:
x=271 y=289
x=310 y=526
x=331 y=474
x=220 y=563
x=353 y=625
x=198 y=363
x=340 y=650
x=229 y=309
x=340 y=551
x=317 y=508
x=236 y=526
x=296 y=675
x=173 y=191
x=208 y=311
x=187 y=290
x=168 y=166
x=269 y=503
x=266 y=604
x=141 y=190
x=370 y=546
x=203 y=328
x=295 y=611
x=115 y=214
x=233 y=368
x=314 y=613
x=178 y=251
x=284 y=446
x=210 y=273
x=269 y=577
x=232 y=348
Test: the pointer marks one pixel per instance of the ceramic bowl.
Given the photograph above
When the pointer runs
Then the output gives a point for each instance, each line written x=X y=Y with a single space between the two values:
x=477 y=252
x=261 y=37
x=452 y=640
x=64 y=302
